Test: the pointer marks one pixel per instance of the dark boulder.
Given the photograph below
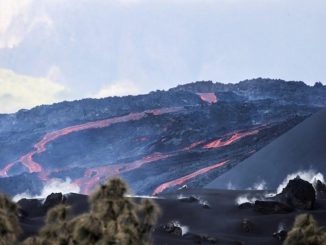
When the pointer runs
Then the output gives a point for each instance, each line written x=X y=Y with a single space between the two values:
x=184 y=187
x=171 y=228
x=320 y=186
x=189 y=199
x=272 y=207
x=298 y=194
x=280 y=235
x=54 y=199
x=205 y=205
x=30 y=207
x=246 y=205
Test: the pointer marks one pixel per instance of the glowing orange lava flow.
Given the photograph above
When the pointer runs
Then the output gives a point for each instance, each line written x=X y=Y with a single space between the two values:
x=183 y=179
x=93 y=176
x=208 y=97
x=235 y=137
x=32 y=166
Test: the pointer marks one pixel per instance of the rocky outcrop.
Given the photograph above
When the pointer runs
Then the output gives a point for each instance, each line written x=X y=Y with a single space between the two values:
x=246 y=205
x=320 y=187
x=170 y=228
x=53 y=199
x=280 y=235
x=299 y=194
x=190 y=199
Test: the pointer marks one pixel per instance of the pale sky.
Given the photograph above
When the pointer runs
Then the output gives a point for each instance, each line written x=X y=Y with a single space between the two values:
x=52 y=50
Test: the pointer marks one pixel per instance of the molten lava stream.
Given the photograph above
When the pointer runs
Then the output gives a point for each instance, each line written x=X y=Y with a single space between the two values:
x=88 y=182
x=32 y=166
x=184 y=179
x=93 y=176
x=235 y=137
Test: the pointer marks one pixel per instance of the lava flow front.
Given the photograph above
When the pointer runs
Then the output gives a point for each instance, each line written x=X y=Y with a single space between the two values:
x=32 y=166
x=208 y=97
x=184 y=179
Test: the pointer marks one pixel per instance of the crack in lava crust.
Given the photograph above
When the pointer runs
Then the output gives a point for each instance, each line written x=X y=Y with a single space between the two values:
x=32 y=166
x=185 y=178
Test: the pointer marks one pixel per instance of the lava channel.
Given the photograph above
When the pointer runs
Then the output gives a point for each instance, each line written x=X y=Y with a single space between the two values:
x=184 y=179
x=235 y=137
x=32 y=166
x=94 y=175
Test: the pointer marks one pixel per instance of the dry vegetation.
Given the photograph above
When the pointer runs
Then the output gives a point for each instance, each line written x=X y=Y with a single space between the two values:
x=112 y=219
x=306 y=231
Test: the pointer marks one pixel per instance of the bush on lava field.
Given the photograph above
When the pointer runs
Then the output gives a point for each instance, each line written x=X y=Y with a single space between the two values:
x=306 y=231
x=9 y=224
x=113 y=219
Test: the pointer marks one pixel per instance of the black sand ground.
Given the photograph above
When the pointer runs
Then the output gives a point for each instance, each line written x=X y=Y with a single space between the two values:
x=222 y=220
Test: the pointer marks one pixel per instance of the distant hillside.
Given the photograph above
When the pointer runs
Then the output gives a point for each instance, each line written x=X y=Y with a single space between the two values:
x=190 y=135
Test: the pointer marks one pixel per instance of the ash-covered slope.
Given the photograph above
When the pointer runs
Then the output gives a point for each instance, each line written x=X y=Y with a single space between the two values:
x=202 y=213
x=157 y=142
x=300 y=149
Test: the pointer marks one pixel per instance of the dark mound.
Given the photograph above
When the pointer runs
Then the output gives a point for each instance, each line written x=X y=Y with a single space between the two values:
x=298 y=194
x=301 y=148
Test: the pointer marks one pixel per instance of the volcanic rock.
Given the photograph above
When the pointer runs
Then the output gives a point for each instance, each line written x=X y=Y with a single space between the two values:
x=298 y=194
x=246 y=205
x=171 y=228
x=280 y=235
x=205 y=205
x=54 y=199
x=190 y=199
x=320 y=186
x=184 y=187
x=29 y=206
x=272 y=207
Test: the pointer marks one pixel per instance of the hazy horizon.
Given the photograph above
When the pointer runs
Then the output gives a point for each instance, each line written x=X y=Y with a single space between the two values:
x=55 y=50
